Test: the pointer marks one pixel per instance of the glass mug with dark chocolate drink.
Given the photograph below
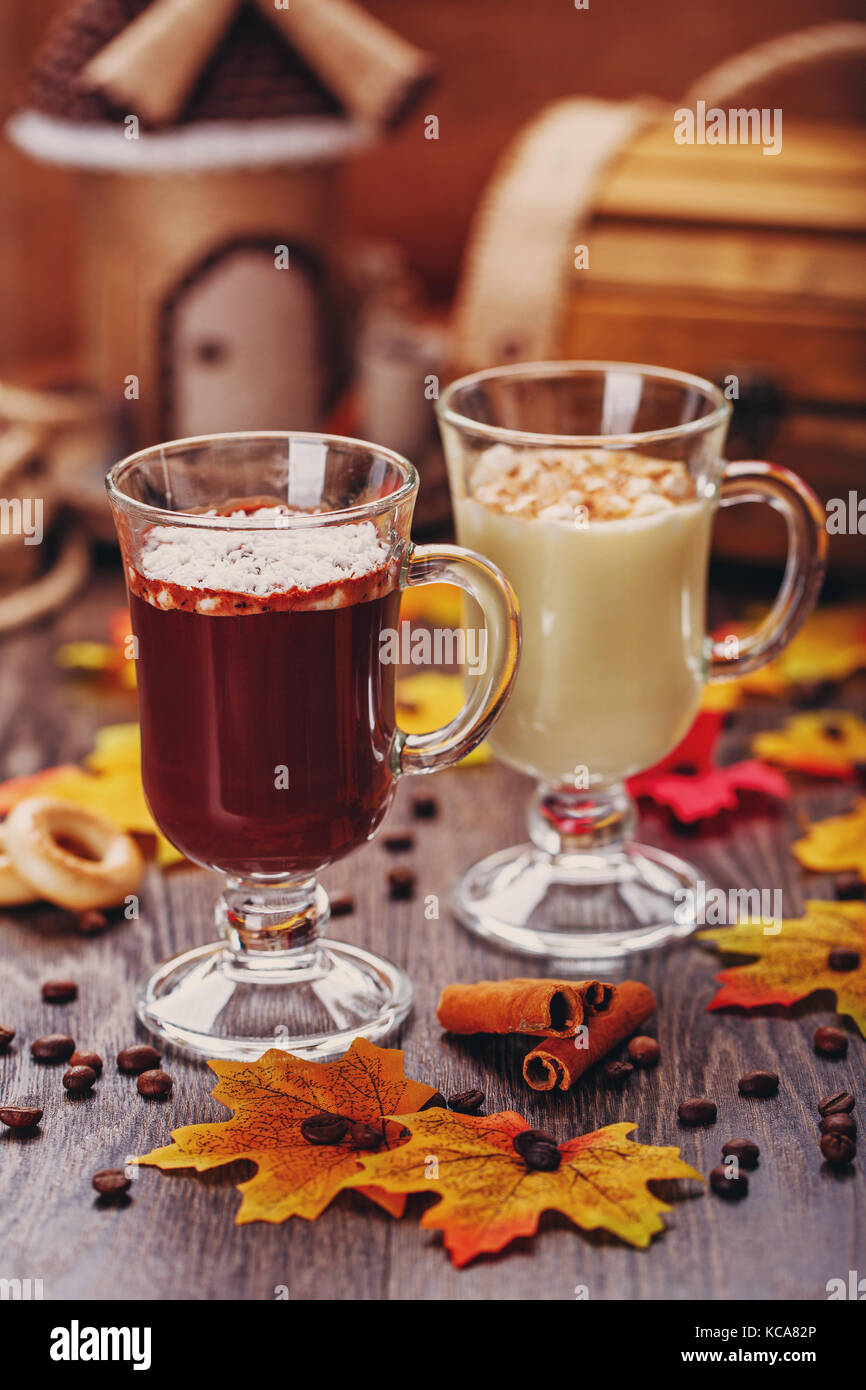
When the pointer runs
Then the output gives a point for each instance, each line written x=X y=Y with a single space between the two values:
x=264 y=572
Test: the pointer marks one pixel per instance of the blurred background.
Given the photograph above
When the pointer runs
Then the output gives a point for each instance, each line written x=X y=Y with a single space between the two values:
x=139 y=302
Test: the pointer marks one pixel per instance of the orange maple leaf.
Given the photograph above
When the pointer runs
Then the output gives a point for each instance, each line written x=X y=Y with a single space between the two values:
x=793 y=962
x=489 y=1197
x=838 y=843
x=270 y=1099
x=828 y=743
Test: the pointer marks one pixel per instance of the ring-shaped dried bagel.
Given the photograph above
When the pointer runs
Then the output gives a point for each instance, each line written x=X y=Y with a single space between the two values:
x=70 y=855
x=14 y=891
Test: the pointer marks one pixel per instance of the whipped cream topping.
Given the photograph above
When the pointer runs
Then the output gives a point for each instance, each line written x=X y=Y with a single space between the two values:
x=577 y=486
x=228 y=571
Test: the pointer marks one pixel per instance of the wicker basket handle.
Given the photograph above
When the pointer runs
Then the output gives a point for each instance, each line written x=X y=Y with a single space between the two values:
x=781 y=55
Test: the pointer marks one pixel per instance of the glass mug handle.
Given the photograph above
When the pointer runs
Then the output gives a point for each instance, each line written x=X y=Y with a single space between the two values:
x=449 y=564
x=804 y=566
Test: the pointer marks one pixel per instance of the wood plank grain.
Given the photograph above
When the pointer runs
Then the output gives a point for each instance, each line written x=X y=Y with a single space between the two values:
x=800 y=1226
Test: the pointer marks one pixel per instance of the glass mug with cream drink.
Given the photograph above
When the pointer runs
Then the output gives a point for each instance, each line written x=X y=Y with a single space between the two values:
x=593 y=486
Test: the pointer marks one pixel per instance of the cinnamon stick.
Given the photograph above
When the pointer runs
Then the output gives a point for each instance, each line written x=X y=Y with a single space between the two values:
x=556 y=1061
x=556 y=1008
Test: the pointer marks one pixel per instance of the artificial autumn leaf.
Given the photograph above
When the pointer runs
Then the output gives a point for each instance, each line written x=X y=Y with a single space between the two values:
x=829 y=647
x=270 y=1099
x=792 y=963
x=689 y=782
x=111 y=787
x=489 y=1196
x=836 y=844
x=105 y=660
x=827 y=743
x=430 y=699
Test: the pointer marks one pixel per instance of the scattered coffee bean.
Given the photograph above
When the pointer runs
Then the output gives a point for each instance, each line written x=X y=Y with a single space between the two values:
x=399 y=842
x=726 y=1185
x=837 y=1103
x=89 y=923
x=616 y=1074
x=466 y=1102
x=54 y=1047
x=743 y=1150
x=59 y=991
x=20 y=1116
x=538 y=1150
x=79 y=1079
x=364 y=1136
x=324 y=1129
x=111 y=1182
x=6 y=1036
x=436 y=1102
x=401 y=884
x=759 y=1083
x=812 y=694
x=87 y=1059
x=834 y=732
x=425 y=808
x=831 y=1042
x=138 y=1058
x=342 y=904
x=154 y=1084
x=839 y=1124
x=849 y=887
x=644 y=1052
x=838 y=1149
x=698 y=1110
x=841 y=959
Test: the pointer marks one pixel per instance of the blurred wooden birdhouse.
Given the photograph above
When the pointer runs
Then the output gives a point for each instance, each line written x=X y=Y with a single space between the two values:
x=209 y=139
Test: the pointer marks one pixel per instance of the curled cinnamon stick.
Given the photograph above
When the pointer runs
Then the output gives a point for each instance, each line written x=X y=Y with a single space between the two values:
x=554 y=1007
x=556 y=1061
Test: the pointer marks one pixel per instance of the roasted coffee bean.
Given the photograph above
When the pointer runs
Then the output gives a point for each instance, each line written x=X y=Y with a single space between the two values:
x=538 y=1150
x=111 y=1182
x=342 y=904
x=616 y=1074
x=79 y=1079
x=697 y=1110
x=54 y=1047
x=401 y=884
x=841 y=959
x=154 y=1084
x=436 y=1102
x=399 y=842
x=425 y=808
x=466 y=1102
x=324 y=1129
x=836 y=1103
x=831 y=1042
x=138 y=1058
x=89 y=923
x=728 y=1186
x=759 y=1083
x=838 y=1148
x=743 y=1150
x=812 y=694
x=59 y=991
x=834 y=732
x=644 y=1052
x=849 y=887
x=6 y=1036
x=364 y=1136
x=20 y=1116
x=87 y=1059
x=839 y=1124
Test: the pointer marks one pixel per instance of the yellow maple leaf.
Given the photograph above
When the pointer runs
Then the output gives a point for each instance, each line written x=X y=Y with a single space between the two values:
x=825 y=743
x=835 y=844
x=488 y=1196
x=792 y=962
x=831 y=646
x=270 y=1099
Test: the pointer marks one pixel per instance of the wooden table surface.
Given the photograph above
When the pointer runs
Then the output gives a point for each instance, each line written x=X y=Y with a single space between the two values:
x=801 y=1225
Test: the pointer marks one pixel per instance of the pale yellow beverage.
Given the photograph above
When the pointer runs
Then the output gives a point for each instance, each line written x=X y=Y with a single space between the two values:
x=608 y=552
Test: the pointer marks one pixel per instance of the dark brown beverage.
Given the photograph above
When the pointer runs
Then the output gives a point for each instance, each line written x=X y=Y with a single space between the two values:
x=267 y=727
